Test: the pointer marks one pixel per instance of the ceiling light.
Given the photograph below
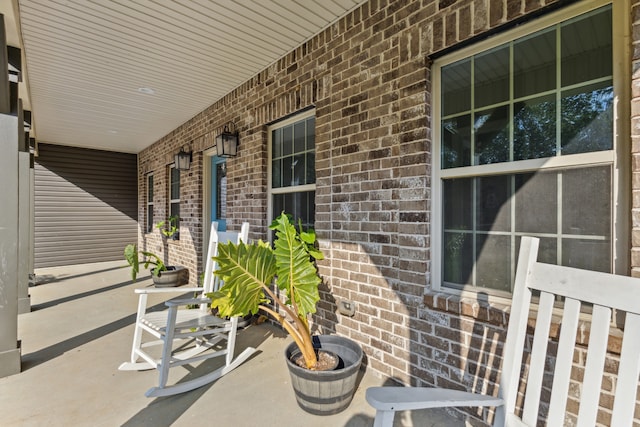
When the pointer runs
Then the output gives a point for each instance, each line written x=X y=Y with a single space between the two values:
x=146 y=90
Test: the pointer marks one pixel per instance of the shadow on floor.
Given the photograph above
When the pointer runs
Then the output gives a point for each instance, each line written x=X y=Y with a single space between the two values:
x=45 y=279
x=81 y=295
x=159 y=413
x=46 y=354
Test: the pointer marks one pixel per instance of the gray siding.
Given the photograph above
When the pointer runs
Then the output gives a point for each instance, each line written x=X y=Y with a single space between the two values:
x=85 y=205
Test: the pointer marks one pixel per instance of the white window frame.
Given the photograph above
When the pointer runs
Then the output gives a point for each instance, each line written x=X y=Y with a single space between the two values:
x=618 y=157
x=149 y=213
x=283 y=190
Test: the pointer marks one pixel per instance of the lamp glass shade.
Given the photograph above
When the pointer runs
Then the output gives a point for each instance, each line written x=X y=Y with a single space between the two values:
x=227 y=144
x=183 y=161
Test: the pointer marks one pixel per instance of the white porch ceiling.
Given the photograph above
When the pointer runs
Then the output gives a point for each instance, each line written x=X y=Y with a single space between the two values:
x=90 y=62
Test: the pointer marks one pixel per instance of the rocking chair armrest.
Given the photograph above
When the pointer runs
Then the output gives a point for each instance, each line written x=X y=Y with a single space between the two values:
x=186 y=301
x=410 y=398
x=175 y=290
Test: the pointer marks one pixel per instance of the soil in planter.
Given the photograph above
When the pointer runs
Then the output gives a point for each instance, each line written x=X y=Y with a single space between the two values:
x=327 y=361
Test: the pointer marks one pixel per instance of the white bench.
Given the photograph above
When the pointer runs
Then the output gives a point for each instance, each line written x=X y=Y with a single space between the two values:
x=606 y=292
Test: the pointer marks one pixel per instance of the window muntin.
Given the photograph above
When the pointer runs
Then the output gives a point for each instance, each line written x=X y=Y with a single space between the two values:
x=526 y=148
x=149 y=203
x=174 y=197
x=292 y=176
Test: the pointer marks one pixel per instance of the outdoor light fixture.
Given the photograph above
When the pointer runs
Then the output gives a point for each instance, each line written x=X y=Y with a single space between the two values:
x=183 y=160
x=227 y=142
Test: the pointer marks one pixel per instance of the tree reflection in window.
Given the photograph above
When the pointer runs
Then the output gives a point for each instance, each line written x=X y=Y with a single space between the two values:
x=587 y=119
x=546 y=95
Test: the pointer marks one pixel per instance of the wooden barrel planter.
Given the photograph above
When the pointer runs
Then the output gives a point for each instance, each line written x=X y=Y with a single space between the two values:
x=326 y=392
x=173 y=276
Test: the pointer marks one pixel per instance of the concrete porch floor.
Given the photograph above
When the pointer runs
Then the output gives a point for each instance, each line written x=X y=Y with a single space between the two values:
x=79 y=331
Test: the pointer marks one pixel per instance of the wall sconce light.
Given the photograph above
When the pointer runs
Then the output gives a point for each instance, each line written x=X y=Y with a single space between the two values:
x=227 y=142
x=183 y=159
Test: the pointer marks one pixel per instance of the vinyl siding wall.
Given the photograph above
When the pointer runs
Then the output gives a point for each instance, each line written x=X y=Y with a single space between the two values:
x=85 y=205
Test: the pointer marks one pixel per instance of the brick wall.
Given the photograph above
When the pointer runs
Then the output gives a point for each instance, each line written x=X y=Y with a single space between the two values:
x=368 y=78
x=635 y=139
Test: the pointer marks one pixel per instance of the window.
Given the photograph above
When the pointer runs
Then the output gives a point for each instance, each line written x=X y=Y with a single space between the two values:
x=293 y=170
x=525 y=146
x=149 y=203
x=174 y=196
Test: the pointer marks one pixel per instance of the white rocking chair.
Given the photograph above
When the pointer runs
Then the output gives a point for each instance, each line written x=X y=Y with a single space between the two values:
x=194 y=330
x=605 y=292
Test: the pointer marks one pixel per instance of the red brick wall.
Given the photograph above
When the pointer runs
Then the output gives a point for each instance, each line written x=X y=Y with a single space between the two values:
x=369 y=80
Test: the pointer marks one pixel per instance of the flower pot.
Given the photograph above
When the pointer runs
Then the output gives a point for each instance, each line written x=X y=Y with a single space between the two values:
x=173 y=276
x=326 y=392
x=327 y=360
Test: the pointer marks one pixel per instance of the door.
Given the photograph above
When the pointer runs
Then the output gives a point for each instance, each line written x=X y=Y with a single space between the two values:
x=218 y=195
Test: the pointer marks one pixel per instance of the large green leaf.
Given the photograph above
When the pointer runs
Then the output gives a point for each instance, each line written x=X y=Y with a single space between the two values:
x=297 y=275
x=249 y=270
x=153 y=259
x=245 y=270
x=131 y=255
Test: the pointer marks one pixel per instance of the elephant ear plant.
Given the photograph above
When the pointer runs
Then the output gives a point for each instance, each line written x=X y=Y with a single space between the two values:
x=131 y=254
x=248 y=272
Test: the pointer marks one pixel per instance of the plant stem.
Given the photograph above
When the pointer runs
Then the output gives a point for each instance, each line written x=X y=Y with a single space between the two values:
x=302 y=340
x=296 y=327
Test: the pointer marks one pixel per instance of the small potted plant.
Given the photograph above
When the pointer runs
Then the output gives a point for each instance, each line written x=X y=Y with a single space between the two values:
x=169 y=228
x=163 y=276
x=248 y=272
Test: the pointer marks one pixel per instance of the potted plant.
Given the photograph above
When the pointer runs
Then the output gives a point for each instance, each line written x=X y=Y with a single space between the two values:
x=169 y=228
x=163 y=276
x=248 y=272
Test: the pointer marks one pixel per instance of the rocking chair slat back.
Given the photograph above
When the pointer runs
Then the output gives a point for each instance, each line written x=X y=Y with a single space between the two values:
x=627 y=385
x=211 y=283
x=564 y=360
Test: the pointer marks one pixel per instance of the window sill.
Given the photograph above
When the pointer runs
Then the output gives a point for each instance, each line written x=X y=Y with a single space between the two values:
x=486 y=310
x=495 y=312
